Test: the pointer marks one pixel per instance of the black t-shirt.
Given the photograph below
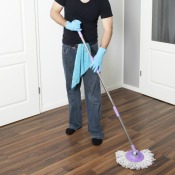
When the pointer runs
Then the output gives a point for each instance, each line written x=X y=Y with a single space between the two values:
x=88 y=13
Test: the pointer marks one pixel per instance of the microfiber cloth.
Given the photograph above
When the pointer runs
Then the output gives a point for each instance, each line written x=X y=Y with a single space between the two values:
x=81 y=65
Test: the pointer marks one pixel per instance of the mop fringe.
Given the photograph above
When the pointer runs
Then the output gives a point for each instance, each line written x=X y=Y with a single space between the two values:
x=145 y=163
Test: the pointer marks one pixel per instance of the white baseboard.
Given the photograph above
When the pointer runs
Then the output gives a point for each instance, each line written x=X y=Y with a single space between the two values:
x=133 y=88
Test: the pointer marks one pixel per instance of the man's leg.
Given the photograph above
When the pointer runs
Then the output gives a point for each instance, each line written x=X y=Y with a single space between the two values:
x=74 y=95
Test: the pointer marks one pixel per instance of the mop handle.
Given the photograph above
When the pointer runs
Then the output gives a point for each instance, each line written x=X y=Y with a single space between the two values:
x=112 y=102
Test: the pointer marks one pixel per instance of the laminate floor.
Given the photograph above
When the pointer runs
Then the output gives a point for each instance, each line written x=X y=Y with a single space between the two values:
x=39 y=146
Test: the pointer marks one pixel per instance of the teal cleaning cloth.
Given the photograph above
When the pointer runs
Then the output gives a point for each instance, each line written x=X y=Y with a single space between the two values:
x=81 y=65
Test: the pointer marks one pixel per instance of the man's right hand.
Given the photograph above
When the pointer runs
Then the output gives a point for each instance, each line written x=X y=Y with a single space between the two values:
x=73 y=26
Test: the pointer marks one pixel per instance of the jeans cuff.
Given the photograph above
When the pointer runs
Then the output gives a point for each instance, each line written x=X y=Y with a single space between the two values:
x=71 y=126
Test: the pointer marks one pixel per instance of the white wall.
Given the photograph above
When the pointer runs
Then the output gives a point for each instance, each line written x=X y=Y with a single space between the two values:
x=50 y=44
x=132 y=12
x=112 y=65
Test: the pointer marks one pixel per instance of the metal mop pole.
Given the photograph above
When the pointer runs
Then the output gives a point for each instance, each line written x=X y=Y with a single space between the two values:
x=112 y=102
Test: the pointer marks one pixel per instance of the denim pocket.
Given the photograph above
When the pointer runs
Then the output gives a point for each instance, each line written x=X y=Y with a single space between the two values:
x=68 y=55
x=65 y=49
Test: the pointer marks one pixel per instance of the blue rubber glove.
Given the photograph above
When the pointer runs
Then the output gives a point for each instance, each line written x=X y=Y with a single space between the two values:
x=98 y=59
x=74 y=25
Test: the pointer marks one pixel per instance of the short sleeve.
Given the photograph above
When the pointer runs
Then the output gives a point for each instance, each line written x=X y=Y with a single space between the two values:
x=61 y=2
x=105 y=9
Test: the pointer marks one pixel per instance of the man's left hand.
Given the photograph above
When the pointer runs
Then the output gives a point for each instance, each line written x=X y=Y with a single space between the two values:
x=98 y=59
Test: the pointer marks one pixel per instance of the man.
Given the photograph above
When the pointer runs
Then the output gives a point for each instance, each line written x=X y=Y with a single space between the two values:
x=82 y=15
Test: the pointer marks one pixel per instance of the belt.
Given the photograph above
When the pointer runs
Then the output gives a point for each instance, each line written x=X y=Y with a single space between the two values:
x=76 y=45
x=73 y=45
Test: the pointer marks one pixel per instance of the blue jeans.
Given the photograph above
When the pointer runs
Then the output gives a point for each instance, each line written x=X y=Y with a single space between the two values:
x=92 y=93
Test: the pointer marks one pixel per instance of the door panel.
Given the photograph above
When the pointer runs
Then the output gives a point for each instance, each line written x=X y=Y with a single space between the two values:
x=19 y=97
x=15 y=87
x=158 y=50
x=162 y=70
x=11 y=35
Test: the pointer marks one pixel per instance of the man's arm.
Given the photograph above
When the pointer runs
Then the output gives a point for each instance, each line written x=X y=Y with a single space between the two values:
x=58 y=18
x=107 y=34
x=55 y=14
x=107 y=31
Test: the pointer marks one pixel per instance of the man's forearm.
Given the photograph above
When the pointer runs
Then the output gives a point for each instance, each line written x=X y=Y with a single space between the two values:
x=107 y=34
x=107 y=31
x=58 y=18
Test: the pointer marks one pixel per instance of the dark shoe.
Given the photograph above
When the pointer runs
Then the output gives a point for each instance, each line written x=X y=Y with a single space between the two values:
x=70 y=131
x=97 y=142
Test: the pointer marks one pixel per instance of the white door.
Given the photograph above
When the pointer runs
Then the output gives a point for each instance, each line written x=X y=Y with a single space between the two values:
x=19 y=97
x=157 y=66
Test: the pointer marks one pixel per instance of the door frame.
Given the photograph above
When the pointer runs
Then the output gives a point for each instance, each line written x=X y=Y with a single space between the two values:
x=38 y=56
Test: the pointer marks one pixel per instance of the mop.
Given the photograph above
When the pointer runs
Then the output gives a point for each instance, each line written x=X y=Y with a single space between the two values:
x=132 y=159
